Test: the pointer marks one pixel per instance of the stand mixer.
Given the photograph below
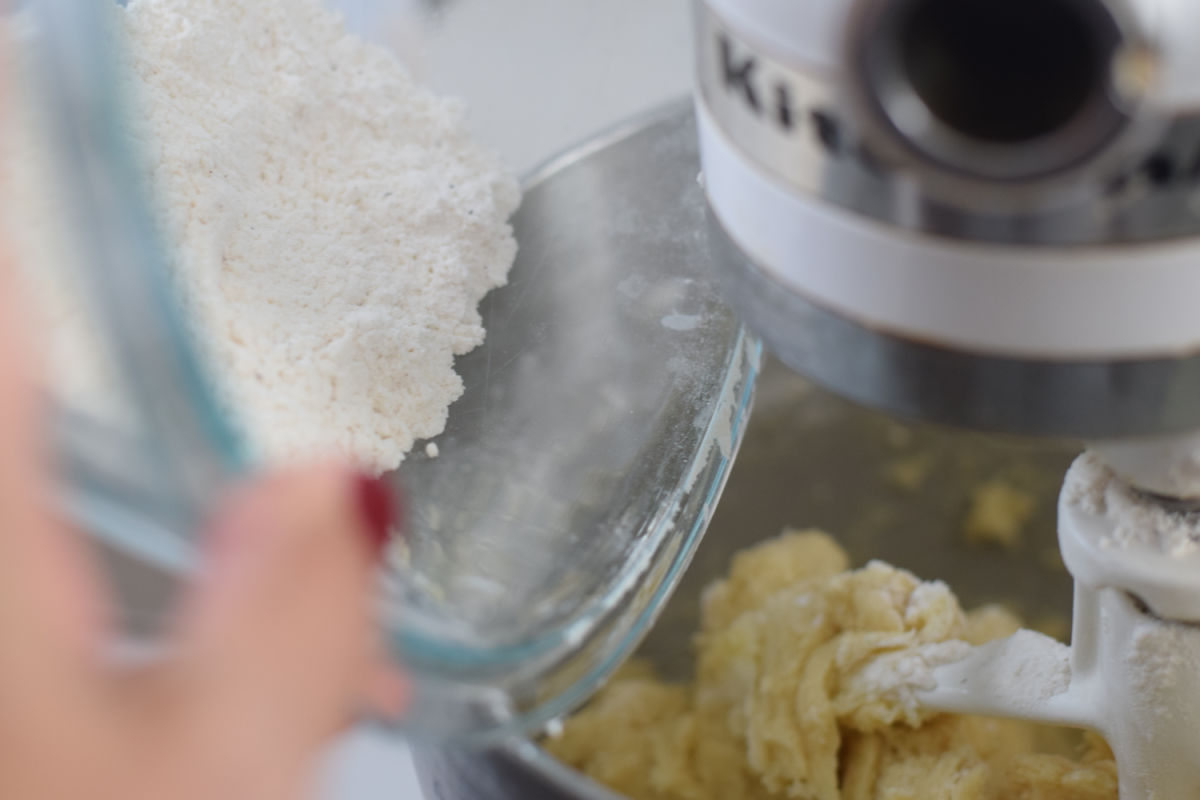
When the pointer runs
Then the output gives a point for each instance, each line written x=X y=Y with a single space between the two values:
x=974 y=213
x=984 y=214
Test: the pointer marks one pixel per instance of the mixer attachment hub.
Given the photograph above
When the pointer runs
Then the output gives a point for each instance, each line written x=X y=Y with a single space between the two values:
x=1130 y=671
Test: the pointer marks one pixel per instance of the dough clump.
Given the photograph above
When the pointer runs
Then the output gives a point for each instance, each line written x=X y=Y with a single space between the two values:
x=998 y=514
x=804 y=683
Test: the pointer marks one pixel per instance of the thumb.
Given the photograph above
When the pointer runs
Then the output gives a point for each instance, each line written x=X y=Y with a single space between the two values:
x=281 y=630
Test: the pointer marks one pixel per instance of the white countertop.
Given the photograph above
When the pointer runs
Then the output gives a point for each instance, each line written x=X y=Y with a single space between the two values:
x=538 y=76
x=367 y=765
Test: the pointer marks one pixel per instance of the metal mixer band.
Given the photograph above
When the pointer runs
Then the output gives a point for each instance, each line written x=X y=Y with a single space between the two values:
x=1085 y=399
x=792 y=123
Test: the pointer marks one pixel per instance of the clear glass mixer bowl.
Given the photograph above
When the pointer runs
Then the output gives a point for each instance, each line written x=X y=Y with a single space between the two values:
x=580 y=468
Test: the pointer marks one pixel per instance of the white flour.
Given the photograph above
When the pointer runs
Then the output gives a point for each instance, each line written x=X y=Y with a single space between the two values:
x=896 y=677
x=1161 y=666
x=332 y=225
x=1137 y=520
x=1034 y=667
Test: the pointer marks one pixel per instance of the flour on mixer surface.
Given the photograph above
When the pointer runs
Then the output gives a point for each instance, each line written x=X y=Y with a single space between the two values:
x=1139 y=521
x=333 y=227
x=1160 y=657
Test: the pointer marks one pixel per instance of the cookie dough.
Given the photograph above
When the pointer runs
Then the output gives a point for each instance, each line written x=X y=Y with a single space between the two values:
x=803 y=689
x=998 y=514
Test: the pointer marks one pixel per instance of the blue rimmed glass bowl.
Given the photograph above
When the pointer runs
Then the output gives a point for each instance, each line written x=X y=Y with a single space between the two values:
x=576 y=474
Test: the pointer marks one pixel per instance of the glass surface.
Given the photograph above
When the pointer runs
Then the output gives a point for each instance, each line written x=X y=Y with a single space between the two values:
x=142 y=444
x=599 y=421
x=600 y=418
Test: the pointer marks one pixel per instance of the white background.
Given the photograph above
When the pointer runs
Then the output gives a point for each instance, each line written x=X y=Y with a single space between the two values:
x=538 y=76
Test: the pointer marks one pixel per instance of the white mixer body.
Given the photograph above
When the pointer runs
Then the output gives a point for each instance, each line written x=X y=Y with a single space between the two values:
x=1063 y=267
x=810 y=36
x=1078 y=303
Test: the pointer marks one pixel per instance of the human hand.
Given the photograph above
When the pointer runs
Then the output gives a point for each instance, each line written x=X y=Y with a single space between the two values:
x=271 y=653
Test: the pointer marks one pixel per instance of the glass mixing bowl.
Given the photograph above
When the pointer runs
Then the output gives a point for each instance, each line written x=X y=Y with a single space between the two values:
x=581 y=466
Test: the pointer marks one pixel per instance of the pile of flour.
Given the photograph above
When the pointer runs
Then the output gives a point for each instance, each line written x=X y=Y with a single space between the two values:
x=332 y=225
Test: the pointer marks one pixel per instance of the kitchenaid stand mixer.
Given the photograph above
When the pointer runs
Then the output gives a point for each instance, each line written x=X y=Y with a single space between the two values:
x=976 y=212
x=985 y=214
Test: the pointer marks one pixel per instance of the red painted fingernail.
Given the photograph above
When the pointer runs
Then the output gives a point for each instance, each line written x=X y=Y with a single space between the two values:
x=378 y=506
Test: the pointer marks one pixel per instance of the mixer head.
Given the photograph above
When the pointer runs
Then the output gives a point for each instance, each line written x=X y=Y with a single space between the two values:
x=977 y=213
x=987 y=213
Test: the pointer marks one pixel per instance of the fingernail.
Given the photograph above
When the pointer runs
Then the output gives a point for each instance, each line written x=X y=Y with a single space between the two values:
x=377 y=504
